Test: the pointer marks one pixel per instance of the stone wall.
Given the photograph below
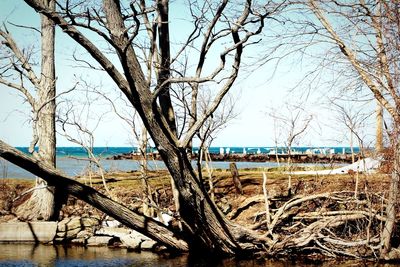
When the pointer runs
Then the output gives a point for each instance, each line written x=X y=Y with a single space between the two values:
x=92 y=232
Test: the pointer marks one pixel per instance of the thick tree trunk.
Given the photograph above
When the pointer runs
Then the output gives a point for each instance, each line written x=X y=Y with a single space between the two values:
x=136 y=221
x=205 y=225
x=43 y=203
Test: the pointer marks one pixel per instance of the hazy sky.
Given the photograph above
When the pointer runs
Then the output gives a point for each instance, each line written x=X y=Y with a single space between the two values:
x=255 y=94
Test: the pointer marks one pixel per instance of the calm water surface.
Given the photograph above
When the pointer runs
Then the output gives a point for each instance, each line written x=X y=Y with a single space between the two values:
x=42 y=255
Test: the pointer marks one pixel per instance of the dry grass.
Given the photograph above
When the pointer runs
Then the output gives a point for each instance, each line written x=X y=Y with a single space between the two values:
x=126 y=187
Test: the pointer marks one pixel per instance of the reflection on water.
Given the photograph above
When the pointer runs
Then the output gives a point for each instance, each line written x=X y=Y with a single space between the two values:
x=41 y=255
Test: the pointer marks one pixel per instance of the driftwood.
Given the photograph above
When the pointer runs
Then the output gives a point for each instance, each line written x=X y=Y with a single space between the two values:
x=333 y=224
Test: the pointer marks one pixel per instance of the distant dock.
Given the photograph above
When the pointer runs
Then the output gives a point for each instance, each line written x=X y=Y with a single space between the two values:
x=295 y=158
x=257 y=157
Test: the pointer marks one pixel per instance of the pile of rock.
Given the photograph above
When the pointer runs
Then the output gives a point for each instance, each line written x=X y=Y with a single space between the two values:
x=92 y=232
x=76 y=229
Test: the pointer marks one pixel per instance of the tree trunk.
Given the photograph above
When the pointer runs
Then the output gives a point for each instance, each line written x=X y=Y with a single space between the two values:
x=206 y=227
x=42 y=204
x=236 y=179
x=148 y=210
x=379 y=128
x=391 y=208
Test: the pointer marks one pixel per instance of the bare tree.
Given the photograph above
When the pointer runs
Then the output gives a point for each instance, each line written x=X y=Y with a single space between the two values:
x=292 y=121
x=139 y=138
x=368 y=41
x=73 y=120
x=17 y=73
x=208 y=132
x=355 y=119
x=121 y=27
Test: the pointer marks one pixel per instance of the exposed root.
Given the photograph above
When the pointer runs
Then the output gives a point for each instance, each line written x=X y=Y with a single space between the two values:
x=334 y=224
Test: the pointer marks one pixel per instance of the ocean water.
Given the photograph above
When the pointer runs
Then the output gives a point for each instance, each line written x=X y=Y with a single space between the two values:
x=110 y=151
x=71 y=160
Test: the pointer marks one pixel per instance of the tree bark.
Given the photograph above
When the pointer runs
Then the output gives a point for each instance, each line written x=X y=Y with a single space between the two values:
x=45 y=203
x=208 y=229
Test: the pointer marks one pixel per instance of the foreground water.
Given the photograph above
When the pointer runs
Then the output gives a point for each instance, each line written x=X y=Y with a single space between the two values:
x=43 y=255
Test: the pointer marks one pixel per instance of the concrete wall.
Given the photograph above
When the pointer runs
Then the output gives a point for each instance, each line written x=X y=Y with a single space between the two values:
x=28 y=231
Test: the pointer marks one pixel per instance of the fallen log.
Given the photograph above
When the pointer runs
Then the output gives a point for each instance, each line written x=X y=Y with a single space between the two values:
x=144 y=225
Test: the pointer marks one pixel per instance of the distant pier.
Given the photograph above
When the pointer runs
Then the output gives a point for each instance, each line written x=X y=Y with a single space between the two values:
x=295 y=158
x=257 y=157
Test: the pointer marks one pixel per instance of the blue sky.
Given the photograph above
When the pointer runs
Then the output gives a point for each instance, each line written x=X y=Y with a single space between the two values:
x=256 y=93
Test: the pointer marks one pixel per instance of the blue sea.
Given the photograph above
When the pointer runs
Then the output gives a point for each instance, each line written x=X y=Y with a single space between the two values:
x=109 y=151
x=71 y=160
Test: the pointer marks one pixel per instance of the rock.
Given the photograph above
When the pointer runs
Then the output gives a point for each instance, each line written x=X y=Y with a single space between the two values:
x=130 y=239
x=69 y=234
x=393 y=255
x=99 y=240
x=148 y=244
x=111 y=223
x=76 y=227
x=69 y=224
x=130 y=242
x=166 y=218
x=85 y=234
x=111 y=231
x=90 y=222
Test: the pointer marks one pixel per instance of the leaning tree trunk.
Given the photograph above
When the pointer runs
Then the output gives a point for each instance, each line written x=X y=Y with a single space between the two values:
x=42 y=203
